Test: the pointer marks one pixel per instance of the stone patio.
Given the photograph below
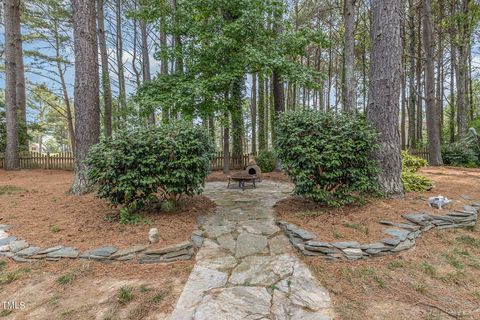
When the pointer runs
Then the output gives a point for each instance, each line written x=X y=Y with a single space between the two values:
x=245 y=268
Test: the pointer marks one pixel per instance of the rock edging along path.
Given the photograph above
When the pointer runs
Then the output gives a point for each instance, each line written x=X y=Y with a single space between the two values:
x=245 y=269
x=402 y=236
x=21 y=251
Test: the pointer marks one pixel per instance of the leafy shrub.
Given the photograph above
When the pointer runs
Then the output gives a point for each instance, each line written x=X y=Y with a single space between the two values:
x=141 y=165
x=266 y=160
x=412 y=181
x=411 y=163
x=459 y=155
x=327 y=156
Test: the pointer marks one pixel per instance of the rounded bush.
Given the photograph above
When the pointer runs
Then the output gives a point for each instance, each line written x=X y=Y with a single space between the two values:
x=266 y=160
x=327 y=156
x=459 y=155
x=145 y=164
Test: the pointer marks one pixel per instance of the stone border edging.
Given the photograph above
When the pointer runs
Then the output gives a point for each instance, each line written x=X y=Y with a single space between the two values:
x=21 y=251
x=403 y=235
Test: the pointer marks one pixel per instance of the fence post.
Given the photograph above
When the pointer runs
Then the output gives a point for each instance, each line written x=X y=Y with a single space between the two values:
x=48 y=160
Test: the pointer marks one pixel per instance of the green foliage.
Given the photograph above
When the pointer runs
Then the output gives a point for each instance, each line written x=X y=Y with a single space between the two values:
x=413 y=182
x=168 y=206
x=459 y=154
x=410 y=179
x=125 y=294
x=411 y=163
x=327 y=156
x=140 y=165
x=266 y=160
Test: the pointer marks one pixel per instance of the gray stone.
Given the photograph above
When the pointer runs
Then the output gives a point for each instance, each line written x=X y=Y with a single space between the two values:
x=348 y=244
x=304 y=290
x=197 y=240
x=407 y=244
x=460 y=214
x=5 y=227
x=318 y=244
x=21 y=259
x=147 y=259
x=66 y=252
x=48 y=250
x=248 y=244
x=470 y=209
x=6 y=241
x=414 y=235
x=304 y=234
x=201 y=280
x=226 y=241
x=353 y=252
x=325 y=250
x=177 y=258
x=27 y=252
x=417 y=218
x=450 y=226
x=213 y=257
x=153 y=236
x=174 y=254
x=164 y=250
x=262 y=270
x=397 y=233
x=99 y=253
x=216 y=231
x=265 y=227
x=391 y=242
x=128 y=251
x=375 y=245
x=4 y=248
x=278 y=244
x=18 y=245
x=127 y=257
x=236 y=303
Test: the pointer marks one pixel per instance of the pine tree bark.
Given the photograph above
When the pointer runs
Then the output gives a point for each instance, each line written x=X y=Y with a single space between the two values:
x=122 y=93
x=419 y=81
x=164 y=60
x=384 y=93
x=12 y=159
x=107 y=90
x=254 y=113
x=21 y=99
x=349 y=104
x=433 y=126
x=262 y=145
x=146 y=63
x=87 y=109
x=412 y=132
x=237 y=118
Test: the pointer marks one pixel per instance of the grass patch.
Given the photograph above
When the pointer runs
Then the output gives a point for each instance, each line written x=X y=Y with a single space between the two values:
x=5 y=313
x=356 y=226
x=453 y=261
x=309 y=214
x=471 y=241
x=336 y=234
x=73 y=274
x=428 y=269
x=392 y=265
x=3 y=264
x=144 y=288
x=420 y=287
x=55 y=228
x=159 y=296
x=125 y=294
x=9 y=189
x=7 y=277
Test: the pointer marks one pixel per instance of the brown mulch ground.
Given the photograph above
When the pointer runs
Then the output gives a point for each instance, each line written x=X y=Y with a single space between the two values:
x=437 y=279
x=360 y=223
x=41 y=211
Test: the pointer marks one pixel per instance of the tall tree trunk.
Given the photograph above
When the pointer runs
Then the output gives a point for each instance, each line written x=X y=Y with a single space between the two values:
x=12 y=9
x=122 y=94
x=107 y=90
x=237 y=117
x=462 y=99
x=433 y=127
x=178 y=43
x=87 y=109
x=254 y=113
x=412 y=133
x=419 y=76
x=21 y=100
x=384 y=93
x=146 y=63
x=262 y=141
x=164 y=60
x=349 y=104
x=453 y=75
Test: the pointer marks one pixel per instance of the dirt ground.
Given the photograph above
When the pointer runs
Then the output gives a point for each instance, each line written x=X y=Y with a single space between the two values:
x=90 y=290
x=37 y=205
x=438 y=279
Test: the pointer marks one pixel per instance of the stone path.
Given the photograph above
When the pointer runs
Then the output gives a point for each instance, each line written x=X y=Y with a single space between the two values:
x=245 y=269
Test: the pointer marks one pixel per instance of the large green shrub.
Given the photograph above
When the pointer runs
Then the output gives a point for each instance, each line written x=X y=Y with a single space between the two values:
x=266 y=160
x=327 y=156
x=459 y=155
x=145 y=164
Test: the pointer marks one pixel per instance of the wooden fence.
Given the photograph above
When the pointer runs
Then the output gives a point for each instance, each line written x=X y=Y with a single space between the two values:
x=64 y=161
x=421 y=153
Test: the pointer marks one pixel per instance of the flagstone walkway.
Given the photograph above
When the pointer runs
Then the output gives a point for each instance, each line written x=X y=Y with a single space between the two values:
x=245 y=268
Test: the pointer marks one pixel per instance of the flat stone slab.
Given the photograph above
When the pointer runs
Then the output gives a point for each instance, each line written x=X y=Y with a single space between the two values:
x=279 y=244
x=5 y=227
x=397 y=233
x=27 y=252
x=6 y=241
x=177 y=247
x=102 y=252
x=304 y=234
x=347 y=244
x=51 y=249
x=304 y=290
x=65 y=252
x=262 y=270
x=226 y=241
x=248 y=244
x=18 y=245
x=236 y=303
x=265 y=227
x=128 y=251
